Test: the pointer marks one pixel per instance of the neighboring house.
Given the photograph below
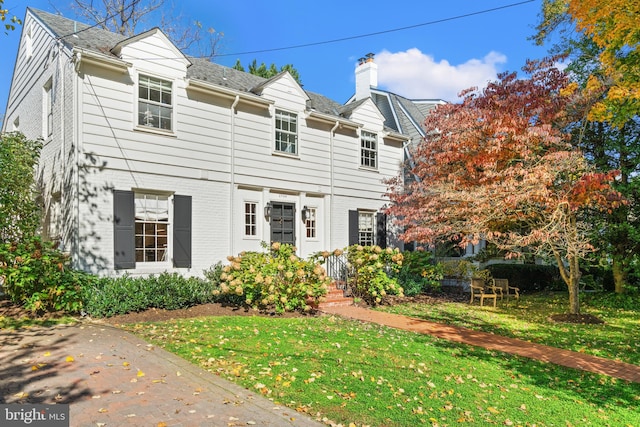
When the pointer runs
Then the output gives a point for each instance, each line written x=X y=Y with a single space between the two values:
x=404 y=116
x=154 y=161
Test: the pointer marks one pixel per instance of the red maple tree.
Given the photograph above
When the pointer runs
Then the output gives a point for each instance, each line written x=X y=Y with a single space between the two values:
x=498 y=167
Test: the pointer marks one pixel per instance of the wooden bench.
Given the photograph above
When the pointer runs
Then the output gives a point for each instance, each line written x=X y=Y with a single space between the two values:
x=481 y=291
x=506 y=289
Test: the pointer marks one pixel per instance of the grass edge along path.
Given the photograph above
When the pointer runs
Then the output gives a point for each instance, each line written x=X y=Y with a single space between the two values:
x=354 y=373
x=544 y=353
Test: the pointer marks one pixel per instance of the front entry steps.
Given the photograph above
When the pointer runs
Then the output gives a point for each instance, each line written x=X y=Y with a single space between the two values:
x=335 y=298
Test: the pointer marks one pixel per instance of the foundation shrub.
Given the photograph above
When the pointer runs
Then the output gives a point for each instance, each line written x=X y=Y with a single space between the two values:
x=38 y=276
x=276 y=279
x=373 y=270
x=419 y=273
x=110 y=296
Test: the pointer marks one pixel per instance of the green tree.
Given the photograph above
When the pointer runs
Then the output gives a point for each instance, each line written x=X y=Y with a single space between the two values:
x=19 y=211
x=610 y=141
x=267 y=72
x=612 y=25
x=4 y=15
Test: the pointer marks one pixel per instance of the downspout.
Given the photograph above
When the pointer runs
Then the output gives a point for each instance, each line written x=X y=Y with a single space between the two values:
x=232 y=177
x=75 y=245
x=62 y=141
x=331 y=184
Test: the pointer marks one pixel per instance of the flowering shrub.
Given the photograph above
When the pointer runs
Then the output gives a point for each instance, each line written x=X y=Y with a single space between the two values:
x=276 y=279
x=38 y=276
x=372 y=268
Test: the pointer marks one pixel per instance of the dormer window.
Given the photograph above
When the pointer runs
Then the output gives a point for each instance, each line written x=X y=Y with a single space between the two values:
x=155 y=103
x=286 y=132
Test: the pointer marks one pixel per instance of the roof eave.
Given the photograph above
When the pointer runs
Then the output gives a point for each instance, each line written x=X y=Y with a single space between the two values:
x=328 y=118
x=99 y=59
x=210 y=88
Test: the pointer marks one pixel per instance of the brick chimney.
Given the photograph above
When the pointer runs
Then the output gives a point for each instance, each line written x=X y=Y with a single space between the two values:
x=366 y=76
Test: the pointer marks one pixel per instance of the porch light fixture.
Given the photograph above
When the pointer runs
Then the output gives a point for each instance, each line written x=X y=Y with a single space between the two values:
x=305 y=213
x=267 y=210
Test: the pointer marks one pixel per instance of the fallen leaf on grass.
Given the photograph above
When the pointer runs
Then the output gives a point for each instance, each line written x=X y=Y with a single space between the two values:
x=21 y=395
x=70 y=359
x=161 y=424
x=103 y=410
x=140 y=374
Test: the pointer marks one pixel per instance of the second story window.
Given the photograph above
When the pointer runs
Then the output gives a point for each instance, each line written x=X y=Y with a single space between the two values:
x=286 y=132
x=368 y=150
x=155 y=108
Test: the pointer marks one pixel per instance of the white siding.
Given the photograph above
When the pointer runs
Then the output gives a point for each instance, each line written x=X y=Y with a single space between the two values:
x=218 y=156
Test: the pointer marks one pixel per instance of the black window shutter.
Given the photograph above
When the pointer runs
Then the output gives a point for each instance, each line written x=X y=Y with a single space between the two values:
x=124 y=246
x=353 y=228
x=381 y=230
x=182 y=231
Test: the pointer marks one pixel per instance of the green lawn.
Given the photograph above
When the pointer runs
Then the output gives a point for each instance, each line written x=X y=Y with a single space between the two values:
x=348 y=372
x=618 y=338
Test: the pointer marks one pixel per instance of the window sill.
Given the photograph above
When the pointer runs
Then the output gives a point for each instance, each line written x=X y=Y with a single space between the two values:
x=155 y=131
x=369 y=169
x=287 y=155
x=254 y=238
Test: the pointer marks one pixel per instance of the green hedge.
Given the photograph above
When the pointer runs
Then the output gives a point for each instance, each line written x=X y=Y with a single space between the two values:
x=112 y=296
x=529 y=277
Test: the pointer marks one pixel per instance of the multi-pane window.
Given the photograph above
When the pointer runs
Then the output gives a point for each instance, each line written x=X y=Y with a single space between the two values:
x=366 y=228
x=311 y=224
x=286 y=132
x=250 y=219
x=151 y=227
x=155 y=108
x=368 y=150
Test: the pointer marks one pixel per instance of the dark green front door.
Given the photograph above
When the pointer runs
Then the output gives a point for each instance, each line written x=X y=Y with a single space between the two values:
x=283 y=223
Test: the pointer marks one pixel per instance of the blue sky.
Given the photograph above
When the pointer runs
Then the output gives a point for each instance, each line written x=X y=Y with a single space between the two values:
x=445 y=46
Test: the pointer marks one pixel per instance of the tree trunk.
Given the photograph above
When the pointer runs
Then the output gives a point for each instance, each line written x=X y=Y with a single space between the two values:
x=619 y=275
x=571 y=276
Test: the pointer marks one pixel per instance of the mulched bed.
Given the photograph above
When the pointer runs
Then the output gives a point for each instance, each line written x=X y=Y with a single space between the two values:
x=8 y=309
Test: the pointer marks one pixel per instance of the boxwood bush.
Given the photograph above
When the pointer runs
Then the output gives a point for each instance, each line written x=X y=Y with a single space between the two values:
x=111 y=296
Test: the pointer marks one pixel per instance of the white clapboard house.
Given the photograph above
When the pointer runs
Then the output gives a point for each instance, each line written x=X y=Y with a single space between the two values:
x=155 y=161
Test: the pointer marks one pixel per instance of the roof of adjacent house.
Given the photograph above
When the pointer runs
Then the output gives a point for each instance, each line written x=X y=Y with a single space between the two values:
x=75 y=34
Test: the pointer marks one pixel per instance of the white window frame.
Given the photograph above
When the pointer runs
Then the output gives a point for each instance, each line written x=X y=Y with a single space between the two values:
x=366 y=228
x=368 y=150
x=251 y=219
x=311 y=223
x=28 y=41
x=144 y=235
x=286 y=117
x=47 y=109
x=144 y=119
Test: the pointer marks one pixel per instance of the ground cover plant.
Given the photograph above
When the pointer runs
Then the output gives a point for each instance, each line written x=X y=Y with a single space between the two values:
x=529 y=319
x=342 y=371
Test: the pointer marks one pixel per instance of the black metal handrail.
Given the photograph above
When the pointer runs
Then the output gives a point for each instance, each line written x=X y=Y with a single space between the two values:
x=338 y=269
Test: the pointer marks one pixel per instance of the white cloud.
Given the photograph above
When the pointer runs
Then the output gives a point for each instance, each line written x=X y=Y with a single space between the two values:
x=416 y=75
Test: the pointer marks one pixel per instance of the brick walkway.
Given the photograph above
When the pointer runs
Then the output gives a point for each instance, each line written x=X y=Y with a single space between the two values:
x=571 y=359
x=111 y=378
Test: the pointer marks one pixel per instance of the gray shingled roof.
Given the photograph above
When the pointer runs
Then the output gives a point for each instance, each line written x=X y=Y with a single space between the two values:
x=77 y=34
